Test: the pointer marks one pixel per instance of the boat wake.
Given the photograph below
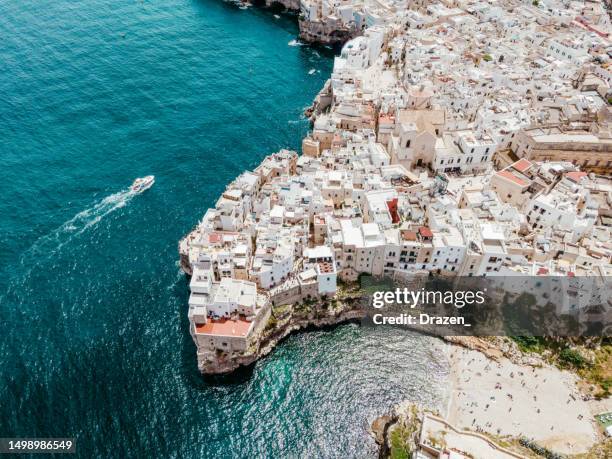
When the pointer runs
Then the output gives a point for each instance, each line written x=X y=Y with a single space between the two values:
x=50 y=244
x=80 y=223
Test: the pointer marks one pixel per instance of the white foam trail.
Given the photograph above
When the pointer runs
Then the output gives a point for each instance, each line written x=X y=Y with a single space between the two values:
x=295 y=43
x=52 y=242
x=85 y=219
x=178 y=278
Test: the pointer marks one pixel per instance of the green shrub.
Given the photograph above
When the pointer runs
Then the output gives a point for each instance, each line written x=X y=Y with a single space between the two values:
x=572 y=358
x=399 y=449
x=529 y=343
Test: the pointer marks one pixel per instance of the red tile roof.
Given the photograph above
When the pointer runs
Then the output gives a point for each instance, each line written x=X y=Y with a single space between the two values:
x=409 y=235
x=575 y=176
x=513 y=178
x=224 y=327
x=522 y=165
x=425 y=232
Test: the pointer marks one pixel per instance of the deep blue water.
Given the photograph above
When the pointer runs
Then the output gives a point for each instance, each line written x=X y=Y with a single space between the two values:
x=94 y=340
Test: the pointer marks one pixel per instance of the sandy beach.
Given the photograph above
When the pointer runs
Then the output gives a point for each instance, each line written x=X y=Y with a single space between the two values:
x=504 y=398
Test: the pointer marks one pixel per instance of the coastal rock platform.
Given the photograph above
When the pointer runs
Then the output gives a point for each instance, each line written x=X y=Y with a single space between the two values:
x=285 y=320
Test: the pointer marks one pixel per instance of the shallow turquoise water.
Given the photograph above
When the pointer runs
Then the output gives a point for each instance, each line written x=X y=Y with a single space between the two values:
x=93 y=335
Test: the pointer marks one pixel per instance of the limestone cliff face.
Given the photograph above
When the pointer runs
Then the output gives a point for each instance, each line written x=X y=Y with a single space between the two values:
x=215 y=363
x=324 y=32
x=183 y=250
x=397 y=433
x=327 y=31
x=293 y=5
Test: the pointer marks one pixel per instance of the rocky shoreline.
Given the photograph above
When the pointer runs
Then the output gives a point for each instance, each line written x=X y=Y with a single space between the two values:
x=283 y=322
x=531 y=407
x=495 y=348
x=320 y=32
x=407 y=429
x=216 y=364
x=402 y=416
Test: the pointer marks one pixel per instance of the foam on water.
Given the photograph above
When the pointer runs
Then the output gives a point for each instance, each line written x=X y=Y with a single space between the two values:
x=82 y=221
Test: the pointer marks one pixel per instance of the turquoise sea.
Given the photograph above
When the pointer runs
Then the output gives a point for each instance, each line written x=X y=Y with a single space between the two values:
x=94 y=341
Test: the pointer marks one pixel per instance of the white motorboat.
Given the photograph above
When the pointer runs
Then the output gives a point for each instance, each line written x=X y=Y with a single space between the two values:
x=143 y=183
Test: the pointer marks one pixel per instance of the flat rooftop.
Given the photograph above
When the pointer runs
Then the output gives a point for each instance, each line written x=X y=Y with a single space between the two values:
x=225 y=327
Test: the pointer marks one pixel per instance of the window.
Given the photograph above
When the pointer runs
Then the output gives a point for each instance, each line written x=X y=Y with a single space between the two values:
x=408 y=144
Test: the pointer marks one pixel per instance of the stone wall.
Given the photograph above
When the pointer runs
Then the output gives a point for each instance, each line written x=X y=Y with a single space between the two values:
x=293 y=5
x=325 y=33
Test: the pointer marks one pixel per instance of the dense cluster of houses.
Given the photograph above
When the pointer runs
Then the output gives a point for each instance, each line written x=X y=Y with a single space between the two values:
x=460 y=138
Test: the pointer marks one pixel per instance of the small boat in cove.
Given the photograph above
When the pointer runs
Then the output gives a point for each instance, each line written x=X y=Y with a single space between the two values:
x=142 y=184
